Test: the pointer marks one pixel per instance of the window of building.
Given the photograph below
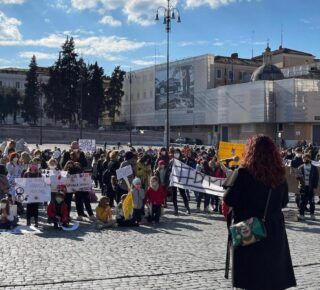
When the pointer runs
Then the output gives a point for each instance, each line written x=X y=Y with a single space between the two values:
x=280 y=127
x=240 y=75
x=151 y=94
x=230 y=75
x=17 y=85
x=144 y=94
x=138 y=96
x=0 y=83
x=219 y=74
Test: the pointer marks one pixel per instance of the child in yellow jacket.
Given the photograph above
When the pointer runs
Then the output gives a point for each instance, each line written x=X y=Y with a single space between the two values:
x=104 y=214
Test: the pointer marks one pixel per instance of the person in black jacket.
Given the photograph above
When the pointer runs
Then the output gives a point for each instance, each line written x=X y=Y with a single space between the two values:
x=308 y=177
x=295 y=163
x=267 y=264
x=110 y=170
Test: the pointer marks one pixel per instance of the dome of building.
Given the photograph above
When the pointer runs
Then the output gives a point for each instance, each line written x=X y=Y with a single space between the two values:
x=267 y=72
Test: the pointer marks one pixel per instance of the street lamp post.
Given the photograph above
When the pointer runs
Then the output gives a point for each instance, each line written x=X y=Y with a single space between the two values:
x=130 y=77
x=169 y=15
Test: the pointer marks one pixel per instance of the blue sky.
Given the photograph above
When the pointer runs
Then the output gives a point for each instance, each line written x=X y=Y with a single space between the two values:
x=123 y=32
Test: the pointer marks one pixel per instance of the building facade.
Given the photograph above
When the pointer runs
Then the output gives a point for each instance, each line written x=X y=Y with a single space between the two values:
x=202 y=107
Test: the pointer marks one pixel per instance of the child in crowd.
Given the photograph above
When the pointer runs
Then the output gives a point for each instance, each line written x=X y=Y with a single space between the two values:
x=6 y=215
x=138 y=196
x=155 y=197
x=116 y=189
x=58 y=211
x=104 y=214
x=121 y=221
x=32 y=208
x=163 y=175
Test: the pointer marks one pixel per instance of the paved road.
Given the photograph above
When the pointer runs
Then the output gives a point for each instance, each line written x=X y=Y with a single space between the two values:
x=184 y=252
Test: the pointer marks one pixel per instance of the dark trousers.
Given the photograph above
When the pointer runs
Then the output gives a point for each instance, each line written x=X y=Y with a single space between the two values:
x=82 y=197
x=126 y=223
x=68 y=201
x=307 y=197
x=206 y=197
x=32 y=210
x=175 y=198
x=156 y=212
x=136 y=215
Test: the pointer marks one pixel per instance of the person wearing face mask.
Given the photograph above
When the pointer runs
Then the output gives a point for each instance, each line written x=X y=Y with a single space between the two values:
x=144 y=171
x=308 y=177
x=163 y=155
x=295 y=164
x=155 y=198
x=58 y=211
x=32 y=208
x=177 y=155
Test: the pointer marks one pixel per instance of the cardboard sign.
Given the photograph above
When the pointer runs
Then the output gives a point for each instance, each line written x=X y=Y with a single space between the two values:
x=30 y=190
x=124 y=172
x=79 y=182
x=229 y=150
x=87 y=145
x=55 y=178
x=184 y=176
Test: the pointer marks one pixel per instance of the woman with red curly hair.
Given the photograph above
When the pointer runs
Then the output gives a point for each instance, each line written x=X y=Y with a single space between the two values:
x=265 y=265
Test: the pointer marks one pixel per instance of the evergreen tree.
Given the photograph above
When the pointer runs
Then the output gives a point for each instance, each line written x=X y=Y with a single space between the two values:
x=95 y=96
x=115 y=93
x=62 y=96
x=9 y=103
x=31 y=103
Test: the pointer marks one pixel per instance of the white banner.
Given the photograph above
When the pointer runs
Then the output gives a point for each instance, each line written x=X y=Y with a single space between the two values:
x=184 y=176
x=87 y=145
x=79 y=182
x=30 y=190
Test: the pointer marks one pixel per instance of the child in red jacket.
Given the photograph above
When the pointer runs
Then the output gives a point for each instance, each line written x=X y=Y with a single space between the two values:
x=58 y=211
x=155 y=197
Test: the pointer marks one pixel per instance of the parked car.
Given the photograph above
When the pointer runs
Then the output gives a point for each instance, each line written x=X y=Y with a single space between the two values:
x=188 y=141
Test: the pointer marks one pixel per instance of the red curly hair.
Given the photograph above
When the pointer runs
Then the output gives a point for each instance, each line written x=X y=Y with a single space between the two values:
x=263 y=160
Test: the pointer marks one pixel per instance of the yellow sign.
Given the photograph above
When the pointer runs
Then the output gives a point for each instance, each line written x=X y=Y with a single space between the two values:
x=229 y=150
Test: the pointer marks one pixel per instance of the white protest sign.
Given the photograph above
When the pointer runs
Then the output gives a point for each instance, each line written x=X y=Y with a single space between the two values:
x=79 y=182
x=184 y=176
x=55 y=178
x=87 y=145
x=124 y=172
x=30 y=190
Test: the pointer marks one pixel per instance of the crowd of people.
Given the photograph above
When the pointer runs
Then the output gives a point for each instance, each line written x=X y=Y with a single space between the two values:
x=148 y=186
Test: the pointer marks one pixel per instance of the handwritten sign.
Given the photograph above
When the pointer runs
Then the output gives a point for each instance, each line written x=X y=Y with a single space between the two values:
x=79 y=182
x=87 y=145
x=184 y=176
x=55 y=178
x=124 y=172
x=31 y=190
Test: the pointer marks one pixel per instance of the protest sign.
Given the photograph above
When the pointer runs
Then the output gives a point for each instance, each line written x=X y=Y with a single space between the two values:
x=30 y=190
x=124 y=172
x=184 y=176
x=55 y=178
x=87 y=145
x=229 y=150
x=79 y=182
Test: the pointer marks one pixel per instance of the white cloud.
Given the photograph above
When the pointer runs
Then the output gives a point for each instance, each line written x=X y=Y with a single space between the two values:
x=214 y=4
x=141 y=62
x=109 y=20
x=81 y=4
x=12 y=1
x=305 y=20
x=39 y=55
x=154 y=56
x=218 y=43
x=193 y=43
x=9 y=28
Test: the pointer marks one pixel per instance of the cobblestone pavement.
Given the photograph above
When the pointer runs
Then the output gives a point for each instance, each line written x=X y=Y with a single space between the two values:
x=184 y=252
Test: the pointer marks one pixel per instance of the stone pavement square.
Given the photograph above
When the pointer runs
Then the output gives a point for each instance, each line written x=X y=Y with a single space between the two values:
x=183 y=252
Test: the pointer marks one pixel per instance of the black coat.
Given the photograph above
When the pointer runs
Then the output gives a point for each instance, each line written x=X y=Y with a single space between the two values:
x=265 y=265
x=313 y=178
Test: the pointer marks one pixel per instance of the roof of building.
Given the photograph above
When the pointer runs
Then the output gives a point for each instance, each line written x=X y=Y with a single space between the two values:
x=267 y=72
x=237 y=61
x=281 y=50
x=14 y=70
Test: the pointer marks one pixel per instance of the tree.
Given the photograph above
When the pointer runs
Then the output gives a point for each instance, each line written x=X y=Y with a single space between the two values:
x=9 y=103
x=115 y=93
x=31 y=102
x=62 y=91
x=94 y=99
